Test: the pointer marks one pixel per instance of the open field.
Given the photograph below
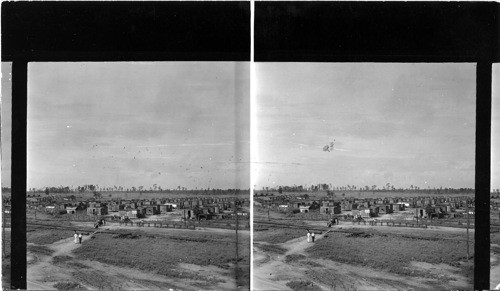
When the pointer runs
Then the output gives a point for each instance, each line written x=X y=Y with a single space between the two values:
x=129 y=258
x=45 y=236
x=196 y=248
x=394 y=251
x=348 y=257
x=270 y=248
x=278 y=235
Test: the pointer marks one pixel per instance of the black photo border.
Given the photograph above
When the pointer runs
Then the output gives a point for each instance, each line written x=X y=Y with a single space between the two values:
x=220 y=31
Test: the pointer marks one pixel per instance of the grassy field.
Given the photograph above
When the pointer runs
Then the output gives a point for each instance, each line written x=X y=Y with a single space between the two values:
x=42 y=250
x=394 y=251
x=45 y=236
x=161 y=254
x=271 y=248
x=278 y=235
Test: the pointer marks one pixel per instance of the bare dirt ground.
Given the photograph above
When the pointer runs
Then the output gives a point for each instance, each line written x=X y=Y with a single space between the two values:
x=43 y=272
x=495 y=267
x=272 y=272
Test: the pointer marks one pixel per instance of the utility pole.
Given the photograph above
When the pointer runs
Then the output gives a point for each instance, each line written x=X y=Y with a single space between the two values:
x=3 y=233
x=467 y=209
x=236 y=267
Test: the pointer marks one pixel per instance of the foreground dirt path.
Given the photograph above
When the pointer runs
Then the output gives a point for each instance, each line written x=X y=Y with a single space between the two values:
x=272 y=272
x=43 y=273
x=40 y=267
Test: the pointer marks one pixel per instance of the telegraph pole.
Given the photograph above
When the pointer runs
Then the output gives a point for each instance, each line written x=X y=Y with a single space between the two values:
x=467 y=209
x=3 y=232
x=236 y=267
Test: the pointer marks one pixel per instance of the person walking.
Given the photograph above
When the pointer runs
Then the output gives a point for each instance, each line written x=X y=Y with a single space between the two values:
x=76 y=237
x=313 y=236
x=80 y=238
x=308 y=236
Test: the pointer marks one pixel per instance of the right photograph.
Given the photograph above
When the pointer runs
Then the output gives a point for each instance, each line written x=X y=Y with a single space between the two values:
x=364 y=176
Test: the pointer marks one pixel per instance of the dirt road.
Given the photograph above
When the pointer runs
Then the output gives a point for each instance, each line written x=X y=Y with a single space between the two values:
x=273 y=271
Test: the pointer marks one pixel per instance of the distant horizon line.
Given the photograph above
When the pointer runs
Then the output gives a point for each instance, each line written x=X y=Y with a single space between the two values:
x=263 y=188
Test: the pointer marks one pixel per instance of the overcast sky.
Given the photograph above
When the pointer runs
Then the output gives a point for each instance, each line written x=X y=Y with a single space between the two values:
x=6 y=112
x=139 y=124
x=403 y=124
x=406 y=124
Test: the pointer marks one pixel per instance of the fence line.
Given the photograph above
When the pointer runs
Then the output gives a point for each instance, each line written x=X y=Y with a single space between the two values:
x=157 y=225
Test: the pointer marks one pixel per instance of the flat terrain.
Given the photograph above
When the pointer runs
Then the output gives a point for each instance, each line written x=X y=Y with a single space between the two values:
x=127 y=258
x=370 y=258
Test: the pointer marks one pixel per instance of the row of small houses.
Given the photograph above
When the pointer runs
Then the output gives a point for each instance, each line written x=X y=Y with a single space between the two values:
x=353 y=203
x=198 y=212
x=182 y=203
x=138 y=209
x=371 y=207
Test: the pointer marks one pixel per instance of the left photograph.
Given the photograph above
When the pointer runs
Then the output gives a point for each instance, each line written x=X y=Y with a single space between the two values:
x=138 y=175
